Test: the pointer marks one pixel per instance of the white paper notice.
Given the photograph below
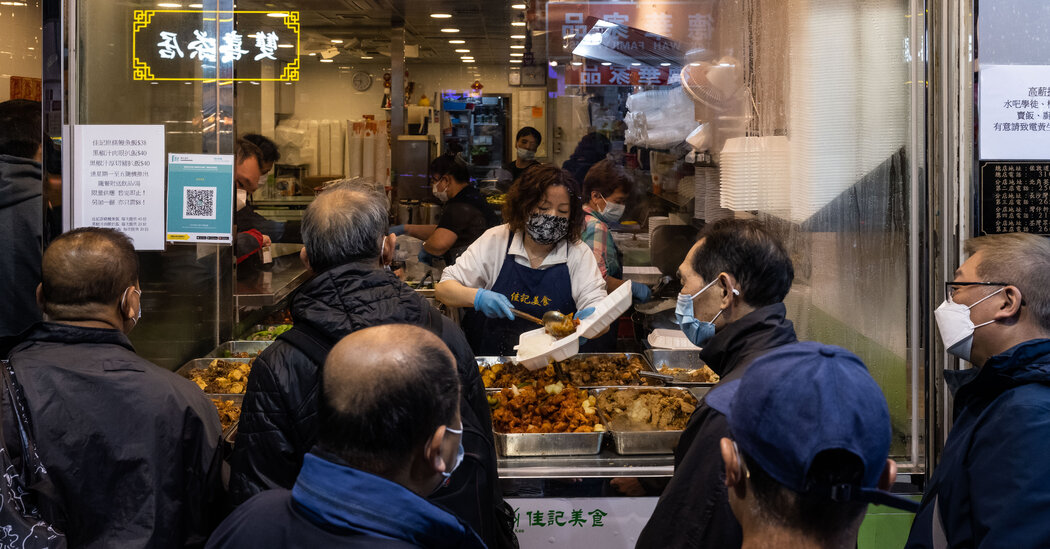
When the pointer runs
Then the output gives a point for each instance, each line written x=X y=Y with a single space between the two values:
x=119 y=181
x=1015 y=112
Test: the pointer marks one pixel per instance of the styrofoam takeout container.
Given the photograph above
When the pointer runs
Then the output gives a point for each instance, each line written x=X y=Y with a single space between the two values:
x=536 y=348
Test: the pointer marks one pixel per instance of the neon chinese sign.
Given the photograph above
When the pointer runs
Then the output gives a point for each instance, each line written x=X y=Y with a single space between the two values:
x=184 y=45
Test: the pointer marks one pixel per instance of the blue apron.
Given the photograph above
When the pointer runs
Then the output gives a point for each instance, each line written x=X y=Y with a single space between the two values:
x=533 y=291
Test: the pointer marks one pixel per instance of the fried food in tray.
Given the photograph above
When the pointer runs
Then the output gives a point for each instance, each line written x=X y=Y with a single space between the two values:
x=703 y=374
x=646 y=409
x=556 y=408
x=222 y=376
x=229 y=411
x=596 y=370
x=515 y=375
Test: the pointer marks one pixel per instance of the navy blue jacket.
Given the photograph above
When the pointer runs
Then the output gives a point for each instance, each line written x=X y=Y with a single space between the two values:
x=334 y=505
x=992 y=487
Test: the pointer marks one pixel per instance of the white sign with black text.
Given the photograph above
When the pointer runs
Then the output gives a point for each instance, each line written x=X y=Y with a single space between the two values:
x=1015 y=112
x=118 y=181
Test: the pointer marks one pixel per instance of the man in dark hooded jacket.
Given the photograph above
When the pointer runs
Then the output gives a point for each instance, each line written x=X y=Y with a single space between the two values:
x=348 y=246
x=990 y=488
x=21 y=215
x=735 y=277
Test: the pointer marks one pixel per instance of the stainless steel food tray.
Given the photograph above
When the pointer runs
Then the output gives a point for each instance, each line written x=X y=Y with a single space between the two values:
x=688 y=360
x=637 y=442
x=240 y=346
x=646 y=365
x=202 y=364
x=548 y=444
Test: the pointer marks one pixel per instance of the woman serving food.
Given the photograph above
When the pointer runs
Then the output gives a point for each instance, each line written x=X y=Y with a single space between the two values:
x=534 y=263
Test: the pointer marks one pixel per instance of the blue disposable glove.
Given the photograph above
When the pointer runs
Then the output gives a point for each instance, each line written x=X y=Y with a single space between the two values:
x=493 y=304
x=640 y=292
x=398 y=229
x=425 y=257
x=580 y=315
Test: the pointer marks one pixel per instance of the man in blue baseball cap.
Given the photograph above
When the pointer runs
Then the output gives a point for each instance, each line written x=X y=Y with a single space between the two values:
x=808 y=450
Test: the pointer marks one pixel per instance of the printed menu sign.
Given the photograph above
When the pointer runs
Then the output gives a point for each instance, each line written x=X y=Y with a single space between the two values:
x=119 y=181
x=200 y=198
x=1014 y=112
x=1015 y=197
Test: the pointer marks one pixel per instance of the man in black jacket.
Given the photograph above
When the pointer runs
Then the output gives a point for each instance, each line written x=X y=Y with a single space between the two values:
x=348 y=246
x=382 y=446
x=21 y=215
x=133 y=449
x=734 y=281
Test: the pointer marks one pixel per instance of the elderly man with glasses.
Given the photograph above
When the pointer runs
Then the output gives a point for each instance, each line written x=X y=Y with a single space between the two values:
x=992 y=486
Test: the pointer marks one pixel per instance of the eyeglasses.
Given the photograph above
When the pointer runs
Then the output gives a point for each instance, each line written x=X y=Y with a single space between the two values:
x=951 y=287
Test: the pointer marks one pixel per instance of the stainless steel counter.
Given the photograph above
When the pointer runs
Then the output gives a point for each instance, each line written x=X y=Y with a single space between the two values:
x=268 y=286
x=606 y=464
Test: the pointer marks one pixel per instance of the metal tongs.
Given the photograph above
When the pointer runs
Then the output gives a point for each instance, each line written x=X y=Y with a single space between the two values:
x=663 y=378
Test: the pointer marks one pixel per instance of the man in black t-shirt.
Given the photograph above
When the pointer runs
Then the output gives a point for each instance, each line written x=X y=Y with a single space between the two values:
x=465 y=217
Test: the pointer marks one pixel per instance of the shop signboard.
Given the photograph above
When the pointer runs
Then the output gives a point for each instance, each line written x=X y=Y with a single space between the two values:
x=1014 y=144
x=593 y=74
x=200 y=198
x=582 y=523
x=118 y=181
x=690 y=23
x=183 y=45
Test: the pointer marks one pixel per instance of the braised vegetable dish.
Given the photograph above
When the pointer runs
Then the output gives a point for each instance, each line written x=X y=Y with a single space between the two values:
x=555 y=408
x=646 y=409
x=703 y=374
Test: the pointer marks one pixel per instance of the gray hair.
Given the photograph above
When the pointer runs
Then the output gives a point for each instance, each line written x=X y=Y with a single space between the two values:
x=342 y=226
x=1018 y=259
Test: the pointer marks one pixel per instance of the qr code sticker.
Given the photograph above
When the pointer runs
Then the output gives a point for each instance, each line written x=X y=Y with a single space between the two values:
x=198 y=202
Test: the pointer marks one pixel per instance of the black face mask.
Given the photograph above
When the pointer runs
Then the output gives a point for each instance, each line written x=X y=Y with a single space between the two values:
x=547 y=228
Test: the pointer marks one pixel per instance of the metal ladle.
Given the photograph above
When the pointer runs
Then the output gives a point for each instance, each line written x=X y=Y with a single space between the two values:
x=551 y=319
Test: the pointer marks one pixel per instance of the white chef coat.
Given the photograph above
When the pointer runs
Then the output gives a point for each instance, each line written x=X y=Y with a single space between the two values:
x=480 y=265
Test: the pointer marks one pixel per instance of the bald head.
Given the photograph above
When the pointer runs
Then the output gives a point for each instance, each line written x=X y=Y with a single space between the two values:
x=342 y=226
x=87 y=268
x=385 y=390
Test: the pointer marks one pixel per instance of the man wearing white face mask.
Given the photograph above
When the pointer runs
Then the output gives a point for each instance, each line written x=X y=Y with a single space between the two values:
x=389 y=434
x=991 y=487
x=734 y=281
x=253 y=230
x=133 y=448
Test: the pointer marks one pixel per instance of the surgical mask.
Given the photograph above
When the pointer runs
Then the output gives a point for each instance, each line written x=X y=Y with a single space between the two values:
x=242 y=198
x=697 y=331
x=138 y=316
x=525 y=154
x=956 y=327
x=612 y=211
x=440 y=195
x=447 y=475
x=547 y=228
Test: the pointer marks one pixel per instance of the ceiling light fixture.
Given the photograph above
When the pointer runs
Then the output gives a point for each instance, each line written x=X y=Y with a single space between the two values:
x=554 y=63
x=516 y=54
x=366 y=57
x=694 y=64
x=457 y=41
x=441 y=15
x=518 y=36
x=517 y=6
x=665 y=64
x=449 y=30
x=464 y=50
x=285 y=45
x=517 y=47
x=636 y=64
x=467 y=60
x=606 y=64
x=518 y=23
x=467 y=57
x=166 y=5
x=198 y=6
x=515 y=60
x=279 y=14
x=337 y=41
x=313 y=54
x=328 y=60
x=576 y=63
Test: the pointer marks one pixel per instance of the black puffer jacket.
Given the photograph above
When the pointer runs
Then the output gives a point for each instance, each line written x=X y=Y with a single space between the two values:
x=22 y=224
x=278 y=423
x=694 y=508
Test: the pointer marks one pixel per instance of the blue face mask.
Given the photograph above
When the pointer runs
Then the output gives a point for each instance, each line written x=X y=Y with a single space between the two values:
x=698 y=332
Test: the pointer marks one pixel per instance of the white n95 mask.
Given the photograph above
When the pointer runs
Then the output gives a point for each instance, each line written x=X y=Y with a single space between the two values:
x=956 y=327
